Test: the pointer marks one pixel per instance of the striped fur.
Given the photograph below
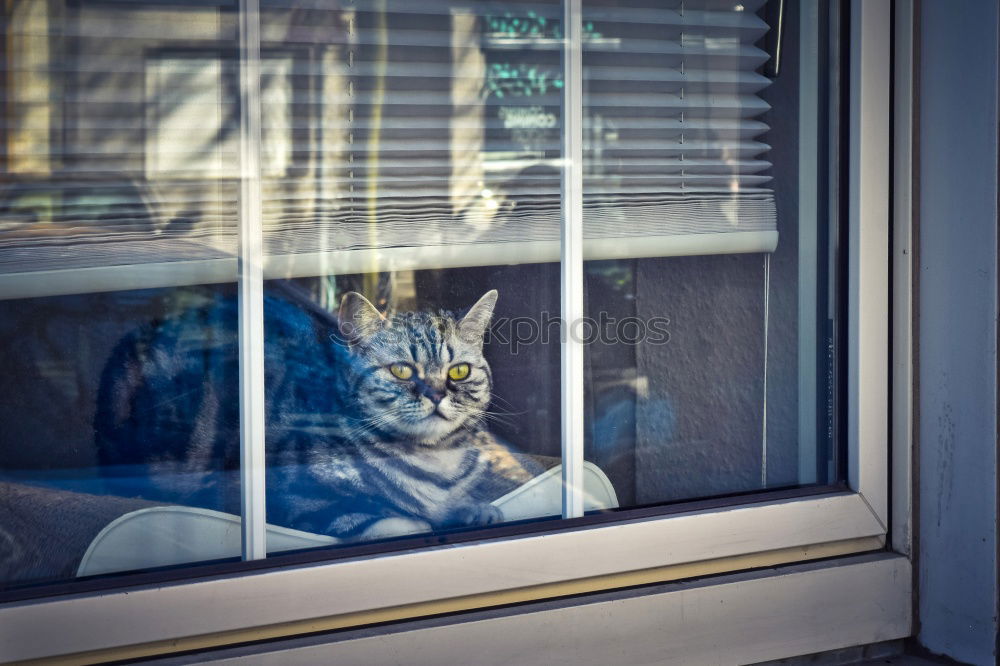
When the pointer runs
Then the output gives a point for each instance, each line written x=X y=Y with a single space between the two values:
x=352 y=450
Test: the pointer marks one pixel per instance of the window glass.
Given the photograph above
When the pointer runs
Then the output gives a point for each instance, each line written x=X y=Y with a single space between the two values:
x=424 y=206
x=702 y=354
x=118 y=221
x=411 y=174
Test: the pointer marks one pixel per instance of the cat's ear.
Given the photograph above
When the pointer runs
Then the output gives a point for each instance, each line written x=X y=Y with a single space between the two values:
x=473 y=325
x=358 y=317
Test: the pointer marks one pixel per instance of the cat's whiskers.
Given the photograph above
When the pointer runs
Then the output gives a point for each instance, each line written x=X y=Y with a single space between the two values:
x=494 y=399
x=497 y=418
x=497 y=397
x=506 y=412
x=382 y=418
x=394 y=417
x=483 y=418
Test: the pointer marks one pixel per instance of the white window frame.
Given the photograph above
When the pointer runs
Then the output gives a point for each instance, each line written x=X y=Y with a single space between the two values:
x=363 y=590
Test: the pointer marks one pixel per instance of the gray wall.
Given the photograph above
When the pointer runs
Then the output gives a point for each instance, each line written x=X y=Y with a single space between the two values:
x=958 y=329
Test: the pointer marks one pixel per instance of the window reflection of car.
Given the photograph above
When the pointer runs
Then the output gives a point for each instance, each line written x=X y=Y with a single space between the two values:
x=55 y=207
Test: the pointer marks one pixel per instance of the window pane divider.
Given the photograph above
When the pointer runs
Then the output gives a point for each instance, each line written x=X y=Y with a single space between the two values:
x=571 y=265
x=251 y=290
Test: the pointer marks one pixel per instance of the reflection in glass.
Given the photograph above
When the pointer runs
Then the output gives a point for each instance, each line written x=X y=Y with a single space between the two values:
x=423 y=208
x=692 y=387
x=118 y=199
x=410 y=171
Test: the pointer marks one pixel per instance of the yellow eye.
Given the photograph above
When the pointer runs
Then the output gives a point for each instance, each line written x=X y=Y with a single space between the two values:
x=458 y=372
x=401 y=370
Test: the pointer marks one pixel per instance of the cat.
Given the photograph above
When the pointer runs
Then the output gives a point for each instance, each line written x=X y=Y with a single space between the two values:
x=375 y=424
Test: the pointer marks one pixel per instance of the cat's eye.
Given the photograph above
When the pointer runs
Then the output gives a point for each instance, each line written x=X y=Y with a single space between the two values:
x=401 y=370
x=458 y=372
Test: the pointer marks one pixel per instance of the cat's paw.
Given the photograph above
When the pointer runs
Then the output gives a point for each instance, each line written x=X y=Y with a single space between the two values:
x=474 y=514
x=391 y=527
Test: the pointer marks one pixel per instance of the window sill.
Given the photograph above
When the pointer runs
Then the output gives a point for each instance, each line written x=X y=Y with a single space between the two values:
x=737 y=618
x=353 y=592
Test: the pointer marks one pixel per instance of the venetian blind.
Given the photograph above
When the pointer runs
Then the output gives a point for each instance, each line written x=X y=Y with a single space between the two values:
x=448 y=119
x=121 y=146
x=672 y=101
x=395 y=135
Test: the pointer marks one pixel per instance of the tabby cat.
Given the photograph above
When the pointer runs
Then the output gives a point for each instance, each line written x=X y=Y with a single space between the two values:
x=375 y=425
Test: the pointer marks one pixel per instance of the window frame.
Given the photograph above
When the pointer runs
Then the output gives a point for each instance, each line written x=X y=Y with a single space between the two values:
x=362 y=590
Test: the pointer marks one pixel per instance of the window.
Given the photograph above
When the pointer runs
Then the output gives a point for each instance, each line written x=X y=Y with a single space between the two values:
x=195 y=196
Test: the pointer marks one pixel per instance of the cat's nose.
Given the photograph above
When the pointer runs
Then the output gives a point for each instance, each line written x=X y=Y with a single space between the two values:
x=436 y=395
